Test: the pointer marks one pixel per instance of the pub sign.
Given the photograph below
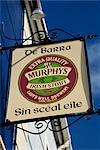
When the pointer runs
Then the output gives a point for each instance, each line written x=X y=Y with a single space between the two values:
x=48 y=80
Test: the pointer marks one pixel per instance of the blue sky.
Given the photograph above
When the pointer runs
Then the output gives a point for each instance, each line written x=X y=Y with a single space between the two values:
x=83 y=18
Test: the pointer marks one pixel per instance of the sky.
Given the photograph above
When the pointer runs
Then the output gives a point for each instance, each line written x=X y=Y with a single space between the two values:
x=81 y=18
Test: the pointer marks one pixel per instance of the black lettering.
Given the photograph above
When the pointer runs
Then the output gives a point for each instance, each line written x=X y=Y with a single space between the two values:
x=28 y=52
x=73 y=105
x=79 y=104
x=68 y=47
x=62 y=48
x=66 y=106
x=55 y=49
x=41 y=109
x=26 y=111
x=49 y=50
x=34 y=52
x=31 y=75
x=54 y=108
x=35 y=110
x=43 y=50
x=47 y=109
x=59 y=107
x=17 y=111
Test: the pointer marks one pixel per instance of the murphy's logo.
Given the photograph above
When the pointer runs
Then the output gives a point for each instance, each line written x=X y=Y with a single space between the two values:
x=47 y=79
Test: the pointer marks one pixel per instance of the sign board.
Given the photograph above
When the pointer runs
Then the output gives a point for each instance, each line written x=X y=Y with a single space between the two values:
x=48 y=80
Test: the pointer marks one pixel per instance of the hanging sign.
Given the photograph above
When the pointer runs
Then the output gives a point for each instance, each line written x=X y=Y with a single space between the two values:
x=48 y=80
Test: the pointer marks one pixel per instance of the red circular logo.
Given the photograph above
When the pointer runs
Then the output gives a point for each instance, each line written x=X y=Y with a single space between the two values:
x=47 y=79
